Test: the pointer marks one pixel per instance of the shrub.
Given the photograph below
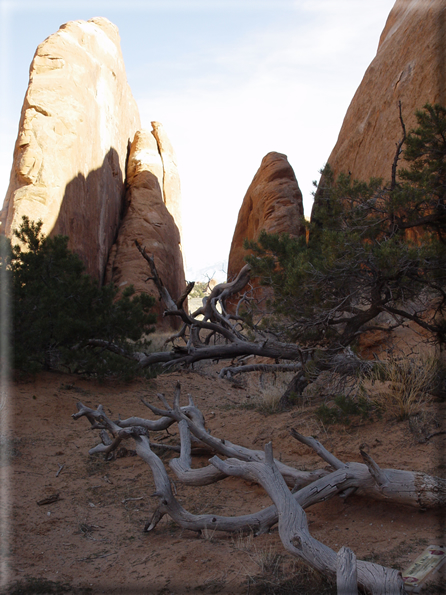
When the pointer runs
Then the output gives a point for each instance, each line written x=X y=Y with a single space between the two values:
x=405 y=384
x=343 y=408
x=57 y=309
x=373 y=248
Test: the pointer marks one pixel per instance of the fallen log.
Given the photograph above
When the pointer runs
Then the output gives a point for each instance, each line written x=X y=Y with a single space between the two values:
x=346 y=572
x=410 y=488
x=293 y=527
x=310 y=488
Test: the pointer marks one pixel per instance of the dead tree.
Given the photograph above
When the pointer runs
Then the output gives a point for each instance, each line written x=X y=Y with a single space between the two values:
x=367 y=479
x=233 y=339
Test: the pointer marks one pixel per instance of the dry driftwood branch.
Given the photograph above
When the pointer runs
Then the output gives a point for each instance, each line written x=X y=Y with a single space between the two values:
x=235 y=348
x=155 y=425
x=221 y=324
x=169 y=505
x=293 y=527
x=410 y=488
x=183 y=296
x=164 y=294
x=99 y=420
x=224 y=447
x=414 y=489
x=257 y=523
x=221 y=293
x=346 y=572
x=231 y=371
x=318 y=448
x=182 y=466
x=369 y=479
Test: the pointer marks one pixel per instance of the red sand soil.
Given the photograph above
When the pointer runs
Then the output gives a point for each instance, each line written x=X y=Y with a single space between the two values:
x=92 y=537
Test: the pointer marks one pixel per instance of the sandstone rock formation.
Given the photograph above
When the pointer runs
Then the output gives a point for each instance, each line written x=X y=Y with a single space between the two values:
x=273 y=202
x=410 y=66
x=171 y=179
x=76 y=123
x=149 y=221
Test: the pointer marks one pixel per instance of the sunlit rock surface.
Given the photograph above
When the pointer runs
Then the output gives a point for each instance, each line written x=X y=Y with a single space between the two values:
x=171 y=179
x=273 y=202
x=148 y=220
x=410 y=66
x=77 y=120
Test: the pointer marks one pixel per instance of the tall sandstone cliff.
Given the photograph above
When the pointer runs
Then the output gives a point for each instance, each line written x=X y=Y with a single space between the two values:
x=77 y=121
x=149 y=218
x=410 y=66
x=79 y=131
x=273 y=202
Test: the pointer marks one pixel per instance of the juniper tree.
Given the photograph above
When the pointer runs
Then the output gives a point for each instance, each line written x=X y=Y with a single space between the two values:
x=375 y=250
x=57 y=308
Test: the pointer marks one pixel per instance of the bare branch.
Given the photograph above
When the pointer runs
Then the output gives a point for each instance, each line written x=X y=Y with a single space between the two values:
x=184 y=295
x=233 y=371
x=293 y=528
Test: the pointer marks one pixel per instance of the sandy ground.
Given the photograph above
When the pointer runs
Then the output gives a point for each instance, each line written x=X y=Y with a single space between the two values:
x=91 y=540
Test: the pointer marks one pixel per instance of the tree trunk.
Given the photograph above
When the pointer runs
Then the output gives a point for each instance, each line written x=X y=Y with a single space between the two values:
x=293 y=394
x=293 y=528
x=414 y=489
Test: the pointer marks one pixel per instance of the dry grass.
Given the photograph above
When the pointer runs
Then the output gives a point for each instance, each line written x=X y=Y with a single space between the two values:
x=270 y=389
x=402 y=386
x=243 y=542
x=158 y=340
x=280 y=574
x=269 y=561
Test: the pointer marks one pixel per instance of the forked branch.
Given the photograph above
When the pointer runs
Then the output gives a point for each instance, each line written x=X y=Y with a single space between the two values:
x=369 y=480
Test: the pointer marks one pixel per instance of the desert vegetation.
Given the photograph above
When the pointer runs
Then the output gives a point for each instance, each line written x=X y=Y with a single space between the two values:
x=374 y=262
x=371 y=262
x=57 y=308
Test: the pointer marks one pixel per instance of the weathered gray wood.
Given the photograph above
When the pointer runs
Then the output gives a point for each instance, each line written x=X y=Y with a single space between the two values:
x=346 y=572
x=259 y=522
x=293 y=527
x=406 y=487
x=169 y=505
x=231 y=371
x=327 y=456
x=410 y=488
x=236 y=348
x=154 y=425
x=182 y=466
x=222 y=292
x=288 y=508
x=293 y=477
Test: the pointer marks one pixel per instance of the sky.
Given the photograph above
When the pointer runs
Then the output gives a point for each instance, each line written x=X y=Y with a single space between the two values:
x=230 y=80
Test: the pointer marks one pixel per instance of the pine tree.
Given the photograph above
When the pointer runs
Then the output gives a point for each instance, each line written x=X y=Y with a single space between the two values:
x=373 y=249
x=57 y=309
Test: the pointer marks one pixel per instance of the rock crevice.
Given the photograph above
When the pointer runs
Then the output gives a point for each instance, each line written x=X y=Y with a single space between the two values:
x=410 y=66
